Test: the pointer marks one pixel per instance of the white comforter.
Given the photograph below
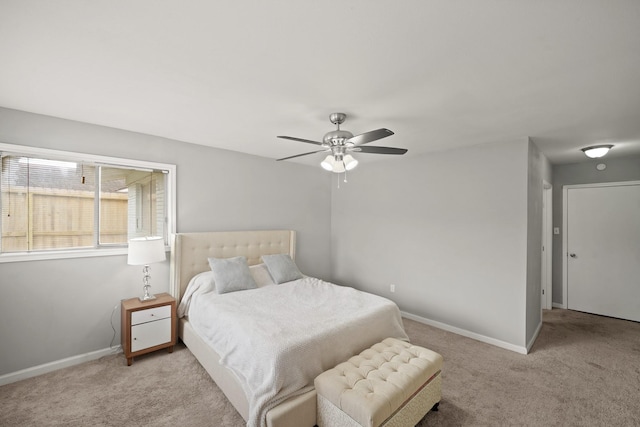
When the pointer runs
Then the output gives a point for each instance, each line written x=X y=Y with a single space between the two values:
x=278 y=338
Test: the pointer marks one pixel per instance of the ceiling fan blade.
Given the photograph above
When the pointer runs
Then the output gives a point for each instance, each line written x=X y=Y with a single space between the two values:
x=300 y=155
x=380 y=150
x=300 y=140
x=370 y=136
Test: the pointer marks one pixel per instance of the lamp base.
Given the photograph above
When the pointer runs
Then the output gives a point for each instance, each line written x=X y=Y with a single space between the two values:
x=148 y=296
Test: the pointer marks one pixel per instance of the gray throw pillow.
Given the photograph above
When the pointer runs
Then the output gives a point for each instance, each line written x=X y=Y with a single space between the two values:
x=282 y=268
x=231 y=274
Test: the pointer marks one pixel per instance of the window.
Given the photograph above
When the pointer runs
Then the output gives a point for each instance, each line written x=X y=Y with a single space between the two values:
x=54 y=202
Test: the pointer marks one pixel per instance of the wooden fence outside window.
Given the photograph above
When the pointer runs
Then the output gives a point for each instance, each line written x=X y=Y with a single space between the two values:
x=60 y=219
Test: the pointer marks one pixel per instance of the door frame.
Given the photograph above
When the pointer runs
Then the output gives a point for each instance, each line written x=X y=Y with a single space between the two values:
x=547 y=243
x=565 y=228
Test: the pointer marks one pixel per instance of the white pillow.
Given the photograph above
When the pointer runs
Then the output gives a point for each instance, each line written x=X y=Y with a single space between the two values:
x=261 y=275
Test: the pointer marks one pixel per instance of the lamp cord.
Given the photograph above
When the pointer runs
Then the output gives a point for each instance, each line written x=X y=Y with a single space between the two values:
x=114 y=331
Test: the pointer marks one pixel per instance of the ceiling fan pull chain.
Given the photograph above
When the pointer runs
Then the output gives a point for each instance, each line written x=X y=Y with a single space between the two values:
x=345 y=176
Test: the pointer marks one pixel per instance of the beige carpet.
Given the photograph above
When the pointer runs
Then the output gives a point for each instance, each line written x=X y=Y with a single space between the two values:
x=584 y=370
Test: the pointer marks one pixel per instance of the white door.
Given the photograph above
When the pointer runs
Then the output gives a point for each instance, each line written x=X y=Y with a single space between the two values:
x=603 y=250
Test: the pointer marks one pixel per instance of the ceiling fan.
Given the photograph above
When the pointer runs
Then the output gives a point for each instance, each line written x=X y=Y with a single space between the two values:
x=340 y=143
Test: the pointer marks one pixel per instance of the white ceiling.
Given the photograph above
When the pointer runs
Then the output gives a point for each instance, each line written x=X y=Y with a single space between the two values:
x=441 y=74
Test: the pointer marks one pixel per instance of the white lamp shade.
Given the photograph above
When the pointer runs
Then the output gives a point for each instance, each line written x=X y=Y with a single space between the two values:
x=146 y=250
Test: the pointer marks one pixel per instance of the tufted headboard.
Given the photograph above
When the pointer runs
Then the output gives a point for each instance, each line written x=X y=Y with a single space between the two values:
x=189 y=251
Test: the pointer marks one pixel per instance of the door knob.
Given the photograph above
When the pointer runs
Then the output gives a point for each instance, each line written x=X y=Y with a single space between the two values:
x=573 y=255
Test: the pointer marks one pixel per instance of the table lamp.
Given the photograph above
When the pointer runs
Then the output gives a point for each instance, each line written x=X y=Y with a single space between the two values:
x=144 y=251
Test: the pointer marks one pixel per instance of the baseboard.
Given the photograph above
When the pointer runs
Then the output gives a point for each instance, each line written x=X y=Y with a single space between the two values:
x=465 y=333
x=57 y=364
x=535 y=336
x=557 y=305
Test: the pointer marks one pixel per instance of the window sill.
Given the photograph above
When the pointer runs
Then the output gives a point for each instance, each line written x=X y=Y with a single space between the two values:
x=47 y=255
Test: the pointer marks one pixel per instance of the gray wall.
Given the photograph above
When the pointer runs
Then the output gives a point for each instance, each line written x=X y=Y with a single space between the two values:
x=618 y=170
x=55 y=309
x=455 y=232
x=448 y=229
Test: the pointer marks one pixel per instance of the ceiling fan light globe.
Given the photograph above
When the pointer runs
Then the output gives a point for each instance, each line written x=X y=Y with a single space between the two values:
x=327 y=163
x=349 y=162
x=338 y=167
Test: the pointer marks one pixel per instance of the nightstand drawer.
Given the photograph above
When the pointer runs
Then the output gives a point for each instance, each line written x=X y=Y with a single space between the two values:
x=150 y=334
x=151 y=314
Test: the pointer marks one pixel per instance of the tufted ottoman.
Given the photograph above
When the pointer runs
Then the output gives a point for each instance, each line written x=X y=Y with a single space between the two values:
x=393 y=383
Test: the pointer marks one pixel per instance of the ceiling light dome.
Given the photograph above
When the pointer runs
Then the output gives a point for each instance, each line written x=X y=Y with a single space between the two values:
x=597 y=151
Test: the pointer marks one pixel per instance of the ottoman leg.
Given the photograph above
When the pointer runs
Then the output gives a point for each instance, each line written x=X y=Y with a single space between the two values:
x=435 y=407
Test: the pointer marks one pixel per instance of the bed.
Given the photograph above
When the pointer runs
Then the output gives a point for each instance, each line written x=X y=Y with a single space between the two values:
x=190 y=253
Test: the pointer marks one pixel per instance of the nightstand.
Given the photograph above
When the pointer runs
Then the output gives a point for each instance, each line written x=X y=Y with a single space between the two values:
x=148 y=325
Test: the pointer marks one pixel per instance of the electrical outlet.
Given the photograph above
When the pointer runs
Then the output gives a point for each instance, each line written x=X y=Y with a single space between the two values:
x=556 y=230
x=392 y=288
